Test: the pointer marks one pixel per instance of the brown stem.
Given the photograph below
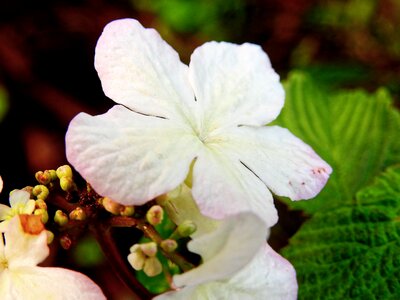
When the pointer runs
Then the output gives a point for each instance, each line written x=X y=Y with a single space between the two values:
x=104 y=237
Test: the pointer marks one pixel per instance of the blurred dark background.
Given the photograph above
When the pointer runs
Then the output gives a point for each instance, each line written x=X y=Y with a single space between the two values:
x=47 y=49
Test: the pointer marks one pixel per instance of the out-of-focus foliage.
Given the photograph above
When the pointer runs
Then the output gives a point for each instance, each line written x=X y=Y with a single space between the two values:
x=352 y=251
x=3 y=103
x=205 y=17
x=360 y=34
x=87 y=253
x=355 y=132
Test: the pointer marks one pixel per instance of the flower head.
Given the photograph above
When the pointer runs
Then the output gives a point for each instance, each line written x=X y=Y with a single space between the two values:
x=23 y=247
x=212 y=112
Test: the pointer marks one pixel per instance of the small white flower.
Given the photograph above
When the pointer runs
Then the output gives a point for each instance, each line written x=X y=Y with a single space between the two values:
x=20 y=203
x=237 y=264
x=21 y=278
x=212 y=111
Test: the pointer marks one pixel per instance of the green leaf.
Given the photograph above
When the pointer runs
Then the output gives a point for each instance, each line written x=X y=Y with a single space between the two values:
x=355 y=132
x=353 y=251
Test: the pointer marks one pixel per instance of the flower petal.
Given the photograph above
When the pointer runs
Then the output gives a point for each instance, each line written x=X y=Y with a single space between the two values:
x=267 y=276
x=23 y=249
x=235 y=85
x=223 y=186
x=287 y=165
x=225 y=250
x=139 y=69
x=129 y=157
x=19 y=197
x=4 y=211
x=49 y=283
x=1 y=184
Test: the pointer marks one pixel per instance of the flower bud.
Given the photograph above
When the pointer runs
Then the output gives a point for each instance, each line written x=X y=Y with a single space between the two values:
x=77 y=214
x=136 y=258
x=67 y=184
x=155 y=215
x=40 y=191
x=152 y=267
x=43 y=213
x=65 y=242
x=43 y=177
x=64 y=171
x=112 y=206
x=185 y=229
x=127 y=211
x=149 y=249
x=169 y=245
x=53 y=174
x=60 y=218
x=50 y=236
x=39 y=203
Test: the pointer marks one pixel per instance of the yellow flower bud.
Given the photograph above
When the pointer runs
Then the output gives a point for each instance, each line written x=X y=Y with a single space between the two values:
x=39 y=203
x=43 y=177
x=50 y=236
x=149 y=249
x=185 y=229
x=67 y=184
x=60 y=218
x=155 y=215
x=77 y=214
x=64 y=171
x=152 y=267
x=169 y=245
x=127 y=211
x=40 y=191
x=112 y=206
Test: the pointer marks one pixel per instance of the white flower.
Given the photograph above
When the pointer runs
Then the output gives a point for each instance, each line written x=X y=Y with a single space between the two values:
x=20 y=203
x=237 y=264
x=170 y=114
x=21 y=278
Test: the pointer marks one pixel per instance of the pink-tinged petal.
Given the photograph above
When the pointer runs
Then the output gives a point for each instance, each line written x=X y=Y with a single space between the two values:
x=1 y=184
x=235 y=84
x=50 y=283
x=226 y=250
x=24 y=249
x=287 y=165
x=19 y=197
x=129 y=157
x=140 y=70
x=223 y=186
x=268 y=276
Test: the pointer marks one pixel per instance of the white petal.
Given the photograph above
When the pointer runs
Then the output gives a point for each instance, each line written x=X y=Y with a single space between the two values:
x=19 y=197
x=4 y=211
x=235 y=85
x=129 y=157
x=226 y=250
x=139 y=69
x=287 y=165
x=267 y=276
x=23 y=249
x=223 y=186
x=51 y=283
x=1 y=184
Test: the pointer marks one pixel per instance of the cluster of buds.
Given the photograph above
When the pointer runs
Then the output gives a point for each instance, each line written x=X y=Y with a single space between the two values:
x=143 y=257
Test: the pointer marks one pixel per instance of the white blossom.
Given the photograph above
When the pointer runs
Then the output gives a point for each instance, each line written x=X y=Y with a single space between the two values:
x=169 y=115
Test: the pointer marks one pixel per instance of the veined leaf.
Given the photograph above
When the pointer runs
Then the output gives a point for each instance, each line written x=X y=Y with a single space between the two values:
x=353 y=251
x=355 y=132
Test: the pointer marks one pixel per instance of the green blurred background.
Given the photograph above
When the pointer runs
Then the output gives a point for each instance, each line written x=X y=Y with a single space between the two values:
x=47 y=74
